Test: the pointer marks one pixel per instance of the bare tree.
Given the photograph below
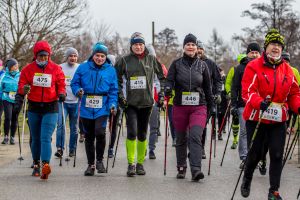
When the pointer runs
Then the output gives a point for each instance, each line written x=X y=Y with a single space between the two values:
x=275 y=14
x=84 y=44
x=26 y=21
x=101 y=31
x=167 y=46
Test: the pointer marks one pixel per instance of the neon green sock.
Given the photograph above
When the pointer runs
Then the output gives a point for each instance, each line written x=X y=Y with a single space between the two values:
x=130 y=148
x=141 y=151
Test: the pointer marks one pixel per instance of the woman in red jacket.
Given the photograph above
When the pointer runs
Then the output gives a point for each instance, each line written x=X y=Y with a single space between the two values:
x=269 y=89
x=44 y=83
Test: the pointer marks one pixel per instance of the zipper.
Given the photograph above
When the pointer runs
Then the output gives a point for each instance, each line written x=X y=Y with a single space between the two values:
x=274 y=67
x=95 y=91
x=190 y=78
x=284 y=79
x=266 y=77
x=43 y=88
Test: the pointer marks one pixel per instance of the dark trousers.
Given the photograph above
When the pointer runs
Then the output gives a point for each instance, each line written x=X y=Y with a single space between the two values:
x=269 y=137
x=137 y=120
x=10 y=120
x=94 y=129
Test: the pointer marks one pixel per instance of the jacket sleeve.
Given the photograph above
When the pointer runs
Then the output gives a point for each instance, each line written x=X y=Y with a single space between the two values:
x=216 y=79
x=294 y=97
x=170 y=81
x=120 y=70
x=23 y=81
x=160 y=74
x=76 y=81
x=250 y=87
x=235 y=86
x=207 y=87
x=60 y=81
x=228 y=81
x=113 y=90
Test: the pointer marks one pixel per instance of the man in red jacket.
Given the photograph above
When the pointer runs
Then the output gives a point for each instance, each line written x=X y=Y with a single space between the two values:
x=269 y=89
x=43 y=82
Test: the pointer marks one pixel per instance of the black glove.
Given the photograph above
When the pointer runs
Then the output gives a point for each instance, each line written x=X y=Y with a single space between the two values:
x=212 y=111
x=264 y=105
x=62 y=97
x=18 y=103
x=234 y=112
x=161 y=99
x=80 y=93
x=168 y=92
x=123 y=102
x=298 y=112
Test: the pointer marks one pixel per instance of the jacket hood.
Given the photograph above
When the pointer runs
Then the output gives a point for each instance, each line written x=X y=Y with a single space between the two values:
x=41 y=46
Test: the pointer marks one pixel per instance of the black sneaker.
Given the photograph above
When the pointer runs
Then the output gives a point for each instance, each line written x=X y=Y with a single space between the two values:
x=181 y=172
x=90 y=171
x=203 y=154
x=36 y=171
x=197 y=175
x=220 y=137
x=12 y=141
x=81 y=138
x=262 y=167
x=245 y=187
x=72 y=153
x=100 y=167
x=242 y=165
x=5 y=140
x=152 y=155
x=140 y=169
x=111 y=153
x=174 y=143
x=59 y=153
x=274 y=196
x=131 y=171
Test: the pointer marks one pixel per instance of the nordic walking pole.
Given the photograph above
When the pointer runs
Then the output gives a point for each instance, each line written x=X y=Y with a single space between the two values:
x=119 y=132
x=215 y=131
x=110 y=131
x=252 y=140
x=290 y=133
x=226 y=145
x=298 y=194
x=65 y=131
x=61 y=140
x=23 y=127
x=224 y=118
x=166 y=138
x=211 y=141
x=76 y=137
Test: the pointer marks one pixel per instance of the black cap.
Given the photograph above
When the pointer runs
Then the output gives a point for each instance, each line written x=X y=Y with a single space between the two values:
x=10 y=63
x=253 y=47
x=190 y=38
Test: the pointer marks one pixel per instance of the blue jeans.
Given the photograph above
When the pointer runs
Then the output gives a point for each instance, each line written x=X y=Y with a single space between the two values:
x=70 y=109
x=243 y=148
x=42 y=126
x=154 y=127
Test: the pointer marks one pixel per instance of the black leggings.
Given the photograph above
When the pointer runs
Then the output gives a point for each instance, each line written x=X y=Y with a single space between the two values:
x=137 y=120
x=10 y=120
x=94 y=128
x=269 y=137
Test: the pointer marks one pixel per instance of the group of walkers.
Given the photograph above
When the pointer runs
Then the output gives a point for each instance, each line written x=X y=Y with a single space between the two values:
x=260 y=91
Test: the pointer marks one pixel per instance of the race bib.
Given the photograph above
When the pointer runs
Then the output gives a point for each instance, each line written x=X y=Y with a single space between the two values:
x=42 y=80
x=190 y=98
x=68 y=80
x=12 y=95
x=93 y=102
x=138 y=82
x=273 y=113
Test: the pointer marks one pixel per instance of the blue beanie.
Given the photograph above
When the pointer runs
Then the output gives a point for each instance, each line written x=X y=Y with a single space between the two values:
x=137 y=38
x=99 y=47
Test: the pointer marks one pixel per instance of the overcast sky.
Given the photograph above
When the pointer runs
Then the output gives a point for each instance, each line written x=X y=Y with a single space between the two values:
x=184 y=16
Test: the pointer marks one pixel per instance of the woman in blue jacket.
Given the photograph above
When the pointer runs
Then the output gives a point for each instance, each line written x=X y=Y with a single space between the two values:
x=95 y=83
x=8 y=88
